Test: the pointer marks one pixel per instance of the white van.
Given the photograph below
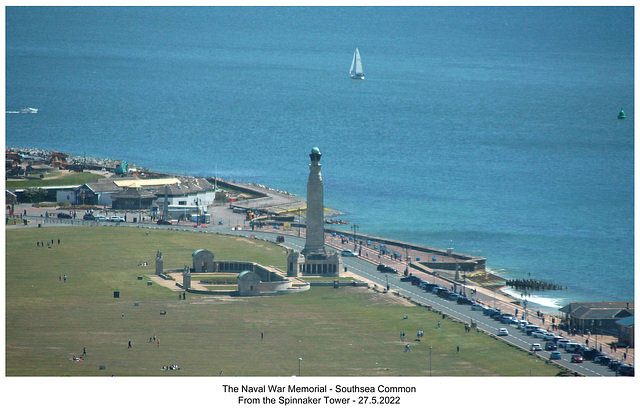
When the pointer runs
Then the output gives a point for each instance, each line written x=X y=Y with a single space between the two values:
x=571 y=346
x=530 y=328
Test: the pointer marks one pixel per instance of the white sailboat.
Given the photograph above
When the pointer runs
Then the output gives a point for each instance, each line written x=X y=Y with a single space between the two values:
x=356 y=66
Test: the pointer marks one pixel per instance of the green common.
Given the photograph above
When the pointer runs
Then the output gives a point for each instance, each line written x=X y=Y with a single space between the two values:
x=337 y=332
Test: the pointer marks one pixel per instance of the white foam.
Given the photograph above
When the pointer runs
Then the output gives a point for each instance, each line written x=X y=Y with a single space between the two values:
x=549 y=302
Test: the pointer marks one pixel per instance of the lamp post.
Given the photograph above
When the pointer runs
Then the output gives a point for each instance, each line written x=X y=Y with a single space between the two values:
x=299 y=363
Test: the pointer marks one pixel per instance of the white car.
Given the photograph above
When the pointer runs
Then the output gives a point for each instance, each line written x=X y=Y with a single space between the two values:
x=536 y=347
x=116 y=219
x=549 y=336
x=503 y=332
x=539 y=334
x=562 y=342
x=348 y=253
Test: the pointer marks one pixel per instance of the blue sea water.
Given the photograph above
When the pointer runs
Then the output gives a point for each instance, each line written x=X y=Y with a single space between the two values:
x=492 y=130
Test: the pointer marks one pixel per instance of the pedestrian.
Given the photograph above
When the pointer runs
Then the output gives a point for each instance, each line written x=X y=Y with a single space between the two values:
x=129 y=344
x=123 y=315
x=37 y=244
x=84 y=351
x=65 y=278
x=58 y=242
x=458 y=348
x=438 y=324
x=59 y=279
x=154 y=337
x=261 y=335
x=159 y=344
x=406 y=348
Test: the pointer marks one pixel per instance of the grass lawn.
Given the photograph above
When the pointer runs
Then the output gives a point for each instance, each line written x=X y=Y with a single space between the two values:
x=69 y=179
x=337 y=332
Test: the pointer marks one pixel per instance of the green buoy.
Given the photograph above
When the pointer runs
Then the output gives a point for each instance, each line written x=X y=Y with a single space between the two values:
x=621 y=115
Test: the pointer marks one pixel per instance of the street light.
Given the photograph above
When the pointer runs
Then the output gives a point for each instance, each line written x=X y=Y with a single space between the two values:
x=299 y=362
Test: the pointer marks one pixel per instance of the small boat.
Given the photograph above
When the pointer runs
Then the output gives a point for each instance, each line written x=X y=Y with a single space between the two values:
x=621 y=115
x=356 y=66
x=27 y=110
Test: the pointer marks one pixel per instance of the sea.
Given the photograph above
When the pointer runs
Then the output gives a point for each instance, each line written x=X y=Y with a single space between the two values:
x=490 y=130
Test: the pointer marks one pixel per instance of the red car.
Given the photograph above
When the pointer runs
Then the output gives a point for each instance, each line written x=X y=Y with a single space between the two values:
x=576 y=359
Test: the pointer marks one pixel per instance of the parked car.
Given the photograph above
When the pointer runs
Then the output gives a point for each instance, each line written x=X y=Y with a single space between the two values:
x=102 y=219
x=489 y=311
x=562 y=342
x=506 y=319
x=477 y=307
x=539 y=333
x=437 y=289
x=453 y=297
x=345 y=253
x=614 y=365
x=116 y=219
x=383 y=268
x=408 y=278
x=522 y=324
x=626 y=370
x=550 y=346
x=555 y=355
x=503 y=332
x=64 y=216
x=591 y=354
x=571 y=346
x=549 y=336
x=528 y=329
x=604 y=360
x=536 y=347
x=430 y=286
x=89 y=216
x=577 y=359
x=163 y=222
x=464 y=300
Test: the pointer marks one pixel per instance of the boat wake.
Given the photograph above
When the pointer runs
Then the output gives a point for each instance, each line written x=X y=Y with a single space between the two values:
x=12 y=112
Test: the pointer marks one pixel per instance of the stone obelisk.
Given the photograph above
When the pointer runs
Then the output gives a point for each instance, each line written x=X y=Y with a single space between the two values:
x=315 y=208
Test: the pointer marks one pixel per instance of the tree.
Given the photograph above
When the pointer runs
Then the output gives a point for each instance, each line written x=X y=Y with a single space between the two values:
x=34 y=195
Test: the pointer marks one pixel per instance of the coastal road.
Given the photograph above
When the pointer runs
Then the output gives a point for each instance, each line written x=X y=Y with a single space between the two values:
x=367 y=270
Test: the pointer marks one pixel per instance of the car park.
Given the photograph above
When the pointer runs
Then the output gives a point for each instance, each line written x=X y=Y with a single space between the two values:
x=536 y=347
x=555 y=355
x=346 y=253
x=503 y=332
x=64 y=216
x=550 y=346
x=577 y=359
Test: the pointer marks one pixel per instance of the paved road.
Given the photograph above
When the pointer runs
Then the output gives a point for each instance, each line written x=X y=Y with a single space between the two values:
x=368 y=271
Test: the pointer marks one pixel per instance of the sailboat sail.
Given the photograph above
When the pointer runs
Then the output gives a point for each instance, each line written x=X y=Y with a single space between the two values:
x=356 y=66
